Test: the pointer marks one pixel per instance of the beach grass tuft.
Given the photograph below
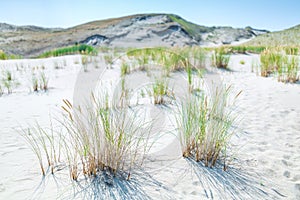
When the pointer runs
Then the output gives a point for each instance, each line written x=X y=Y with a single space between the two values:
x=220 y=58
x=205 y=127
x=275 y=61
x=160 y=90
x=99 y=139
x=8 y=81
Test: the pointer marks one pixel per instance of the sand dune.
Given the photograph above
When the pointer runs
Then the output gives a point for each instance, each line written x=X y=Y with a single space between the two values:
x=266 y=151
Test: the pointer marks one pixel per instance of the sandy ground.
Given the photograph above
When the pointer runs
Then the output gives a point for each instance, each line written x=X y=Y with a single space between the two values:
x=266 y=153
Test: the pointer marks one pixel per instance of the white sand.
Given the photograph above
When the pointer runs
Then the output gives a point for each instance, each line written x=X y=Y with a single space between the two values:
x=267 y=158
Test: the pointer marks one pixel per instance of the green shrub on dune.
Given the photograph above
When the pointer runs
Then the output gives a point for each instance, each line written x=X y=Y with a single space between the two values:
x=76 y=49
x=3 y=56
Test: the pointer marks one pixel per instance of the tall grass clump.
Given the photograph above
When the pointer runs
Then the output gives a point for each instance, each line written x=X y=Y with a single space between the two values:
x=39 y=82
x=270 y=61
x=238 y=49
x=190 y=78
x=34 y=83
x=106 y=139
x=44 y=80
x=124 y=96
x=288 y=71
x=84 y=62
x=171 y=60
x=160 y=90
x=125 y=69
x=143 y=60
x=42 y=143
x=108 y=58
x=8 y=81
x=276 y=62
x=178 y=58
x=95 y=140
x=293 y=68
x=220 y=58
x=291 y=50
x=199 y=56
x=205 y=127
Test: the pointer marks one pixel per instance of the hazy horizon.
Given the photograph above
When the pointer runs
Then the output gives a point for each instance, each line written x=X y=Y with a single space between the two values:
x=270 y=15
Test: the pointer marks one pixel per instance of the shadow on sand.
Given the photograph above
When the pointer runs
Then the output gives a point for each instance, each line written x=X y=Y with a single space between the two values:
x=234 y=183
x=231 y=184
x=140 y=186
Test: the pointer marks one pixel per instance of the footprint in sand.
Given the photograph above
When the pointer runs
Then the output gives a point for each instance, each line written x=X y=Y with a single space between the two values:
x=286 y=163
x=196 y=183
x=287 y=174
x=194 y=193
x=284 y=112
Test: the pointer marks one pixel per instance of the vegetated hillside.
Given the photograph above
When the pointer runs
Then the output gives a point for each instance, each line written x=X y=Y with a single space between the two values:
x=287 y=37
x=142 y=30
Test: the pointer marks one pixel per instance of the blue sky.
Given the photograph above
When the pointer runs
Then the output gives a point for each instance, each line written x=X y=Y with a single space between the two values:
x=266 y=14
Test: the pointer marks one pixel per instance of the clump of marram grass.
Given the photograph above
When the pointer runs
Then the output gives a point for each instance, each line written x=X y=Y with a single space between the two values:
x=124 y=96
x=293 y=69
x=199 y=57
x=34 y=83
x=125 y=69
x=204 y=126
x=39 y=82
x=288 y=70
x=84 y=62
x=270 y=61
x=108 y=58
x=44 y=80
x=8 y=81
x=143 y=60
x=220 y=58
x=99 y=139
x=109 y=140
x=276 y=62
x=160 y=90
x=190 y=78
x=291 y=50
x=175 y=59
x=43 y=144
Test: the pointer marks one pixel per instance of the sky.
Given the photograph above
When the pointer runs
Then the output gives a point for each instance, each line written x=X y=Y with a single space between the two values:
x=262 y=14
